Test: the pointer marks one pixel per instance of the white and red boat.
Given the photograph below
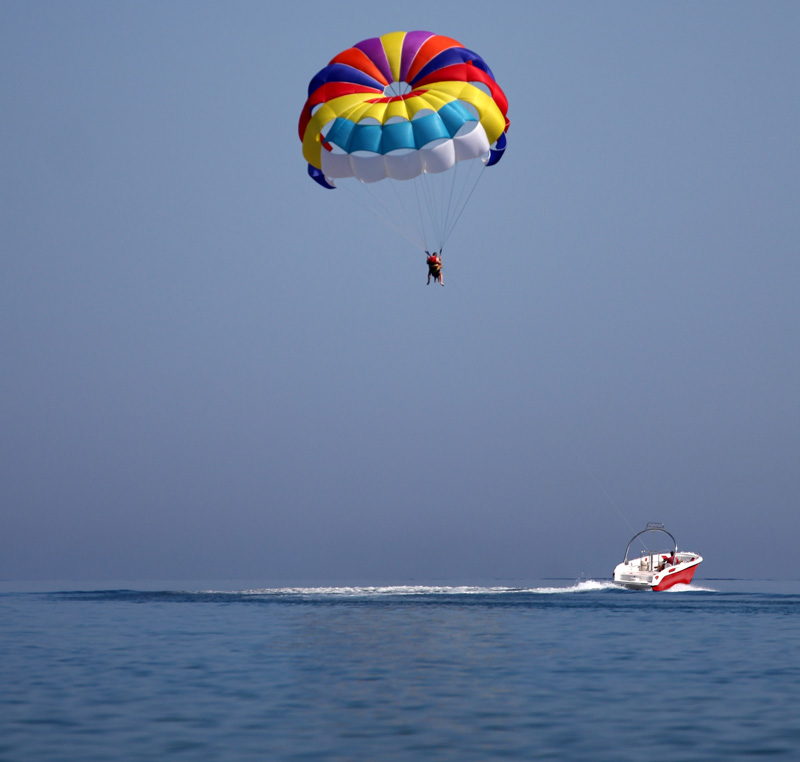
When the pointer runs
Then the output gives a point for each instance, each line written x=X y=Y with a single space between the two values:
x=658 y=570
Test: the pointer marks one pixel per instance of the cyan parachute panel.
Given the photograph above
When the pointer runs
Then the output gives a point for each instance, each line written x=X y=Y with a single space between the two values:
x=365 y=137
x=396 y=136
x=429 y=128
x=445 y=123
x=454 y=115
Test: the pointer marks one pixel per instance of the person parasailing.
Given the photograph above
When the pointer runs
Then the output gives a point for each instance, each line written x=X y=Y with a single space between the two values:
x=434 y=267
x=406 y=121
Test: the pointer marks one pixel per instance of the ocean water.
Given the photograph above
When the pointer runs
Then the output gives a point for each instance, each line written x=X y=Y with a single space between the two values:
x=553 y=670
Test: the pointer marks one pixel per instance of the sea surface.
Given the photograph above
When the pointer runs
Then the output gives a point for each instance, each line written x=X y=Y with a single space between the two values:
x=547 y=670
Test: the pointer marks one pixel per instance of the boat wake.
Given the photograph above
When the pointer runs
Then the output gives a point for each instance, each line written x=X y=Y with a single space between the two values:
x=680 y=588
x=417 y=590
x=586 y=586
x=393 y=593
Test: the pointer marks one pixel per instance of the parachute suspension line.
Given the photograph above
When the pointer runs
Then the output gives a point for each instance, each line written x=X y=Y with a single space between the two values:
x=463 y=205
x=427 y=182
x=456 y=174
x=432 y=185
x=423 y=205
x=458 y=199
x=384 y=210
x=378 y=207
x=611 y=501
x=409 y=218
x=448 y=178
x=427 y=215
x=401 y=213
x=443 y=188
x=424 y=211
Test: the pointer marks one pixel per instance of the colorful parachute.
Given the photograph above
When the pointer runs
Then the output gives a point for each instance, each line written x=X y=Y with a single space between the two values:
x=406 y=106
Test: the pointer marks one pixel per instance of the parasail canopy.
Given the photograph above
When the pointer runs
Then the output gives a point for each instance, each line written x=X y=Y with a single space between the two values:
x=403 y=107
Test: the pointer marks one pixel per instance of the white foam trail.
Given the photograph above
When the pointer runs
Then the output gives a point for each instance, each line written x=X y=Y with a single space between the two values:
x=381 y=590
x=589 y=585
x=681 y=588
x=411 y=590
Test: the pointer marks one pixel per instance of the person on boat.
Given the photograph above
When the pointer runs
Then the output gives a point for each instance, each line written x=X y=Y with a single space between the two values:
x=669 y=560
x=434 y=262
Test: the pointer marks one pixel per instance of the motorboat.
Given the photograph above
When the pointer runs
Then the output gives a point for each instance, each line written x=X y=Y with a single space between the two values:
x=656 y=570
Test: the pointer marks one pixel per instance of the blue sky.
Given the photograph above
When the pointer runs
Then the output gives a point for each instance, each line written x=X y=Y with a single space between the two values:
x=214 y=368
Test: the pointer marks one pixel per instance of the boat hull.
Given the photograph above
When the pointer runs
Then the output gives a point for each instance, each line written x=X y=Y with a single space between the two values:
x=680 y=576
